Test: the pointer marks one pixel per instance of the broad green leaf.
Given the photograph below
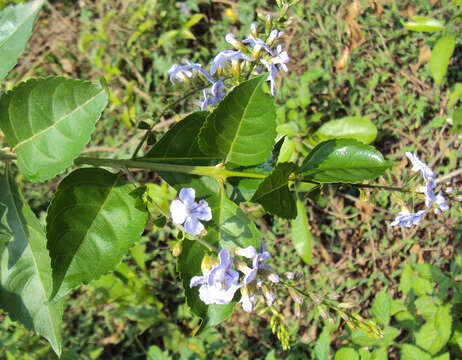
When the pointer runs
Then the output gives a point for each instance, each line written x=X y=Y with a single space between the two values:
x=354 y=127
x=242 y=189
x=242 y=129
x=346 y=353
x=48 y=122
x=405 y=283
x=16 y=24
x=362 y=338
x=390 y=334
x=381 y=308
x=344 y=161
x=92 y=222
x=456 y=338
x=423 y=24
x=441 y=54
x=455 y=95
x=230 y=226
x=189 y=265
x=322 y=346
x=274 y=194
x=426 y=306
x=300 y=233
x=25 y=267
x=434 y=334
x=411 y=352
x=380 y=354
x=444 y=356
x=364 y=354
x=180 y=146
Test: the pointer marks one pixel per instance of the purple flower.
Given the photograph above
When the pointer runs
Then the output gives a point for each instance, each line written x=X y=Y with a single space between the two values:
x=184 y=72
x=418 y=165
x=220 y=283
x=272 y=75
x=187 y=211
x=213 y=95
x=257 y=45
x=227 y=55
x=407 y=219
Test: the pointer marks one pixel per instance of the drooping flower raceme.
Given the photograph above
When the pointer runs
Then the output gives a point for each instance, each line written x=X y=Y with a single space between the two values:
x=406 y=218
x=252 y=283
x=187 y=211
x=218 y=284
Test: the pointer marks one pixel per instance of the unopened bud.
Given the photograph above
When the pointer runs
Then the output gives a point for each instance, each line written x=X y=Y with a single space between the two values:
x=274 y=278
x=242 y=267
x=272 y=36
x=249 y=252
x=323 y=313
x=345 y=305
x=289 y=275
x=208 y=263
x=234 y=42
x=298 y=275
x=177 y=248
x=296 y=296
x=269 y=295
x=253 y=30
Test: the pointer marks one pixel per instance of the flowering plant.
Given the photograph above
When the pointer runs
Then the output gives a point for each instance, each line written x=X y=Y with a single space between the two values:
x=224 y=154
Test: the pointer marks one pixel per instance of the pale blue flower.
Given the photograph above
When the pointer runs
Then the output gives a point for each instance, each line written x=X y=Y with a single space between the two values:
x=257 y=44
x=187 y=211
x=281 y=59
x=226 y=55
x=272 y=75
x=184 y=72
x=220 y=283
x=440 y=201
x=247 y=299
x=213 y=95
x=407 y=219
x=418 y=165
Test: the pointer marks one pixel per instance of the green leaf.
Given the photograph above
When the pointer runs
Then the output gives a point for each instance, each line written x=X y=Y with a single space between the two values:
x=25 y=270
x=423 y=24
x=381 y=308
x=16 y=24
x=346 y=353
x=301 y=234
x=411 y=352
x=242 y=129
x=426 y=306
x=361 y=338
x=355 y=127
x=457 y=120
x=434 y=334
x=322 y=347
x=380 y=354
x=405 y=283
x=92 y=222
x=344 y=161
x=180 y=146
x=444 y=356
x=455 y=95
x=189 y=265
x=364 y=354
x=441 y=54
x=230 y=226
x=274 y=194
x=48 y=122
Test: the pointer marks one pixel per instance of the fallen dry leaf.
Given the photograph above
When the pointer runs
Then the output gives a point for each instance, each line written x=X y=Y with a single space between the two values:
x=341 y=63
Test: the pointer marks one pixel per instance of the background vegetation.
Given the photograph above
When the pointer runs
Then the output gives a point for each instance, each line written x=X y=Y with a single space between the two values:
x=347 y=59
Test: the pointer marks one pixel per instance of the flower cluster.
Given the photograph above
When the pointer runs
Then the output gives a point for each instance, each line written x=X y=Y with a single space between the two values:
x=250 y=53
x=219 y=282
x=438 y=201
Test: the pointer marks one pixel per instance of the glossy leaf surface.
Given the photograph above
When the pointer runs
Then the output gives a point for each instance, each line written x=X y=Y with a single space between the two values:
x=16 y=23
x=441 y=54
x=343 y=161
x=180 y=146
x=274 y=194
x=300 y=233
x=92 y=222
x=48 y=122
x=242 y=129
x=25 y=267
x=354 y=127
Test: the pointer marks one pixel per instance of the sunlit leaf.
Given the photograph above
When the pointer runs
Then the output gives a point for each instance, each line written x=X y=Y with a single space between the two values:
x=242 y=129
x=16 y=24
x=344 y=161
x=441 y=54
x=354 y=127
x=48 y=122
x=300 y=233
x=92 y=222
x=25 y=267
x=423 y=24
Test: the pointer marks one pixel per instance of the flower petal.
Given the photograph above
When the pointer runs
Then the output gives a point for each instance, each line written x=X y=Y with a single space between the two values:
x=203 y=211
x=197 y=280
x=178 y=212
x=187 y=195
x=193 y=226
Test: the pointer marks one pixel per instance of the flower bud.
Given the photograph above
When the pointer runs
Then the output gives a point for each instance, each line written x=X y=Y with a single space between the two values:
x=269 y=295
x=296 y=296
x=177 y=248
x=249 y=252
x=208 y=263
x=253 y=30
x=234 y=42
